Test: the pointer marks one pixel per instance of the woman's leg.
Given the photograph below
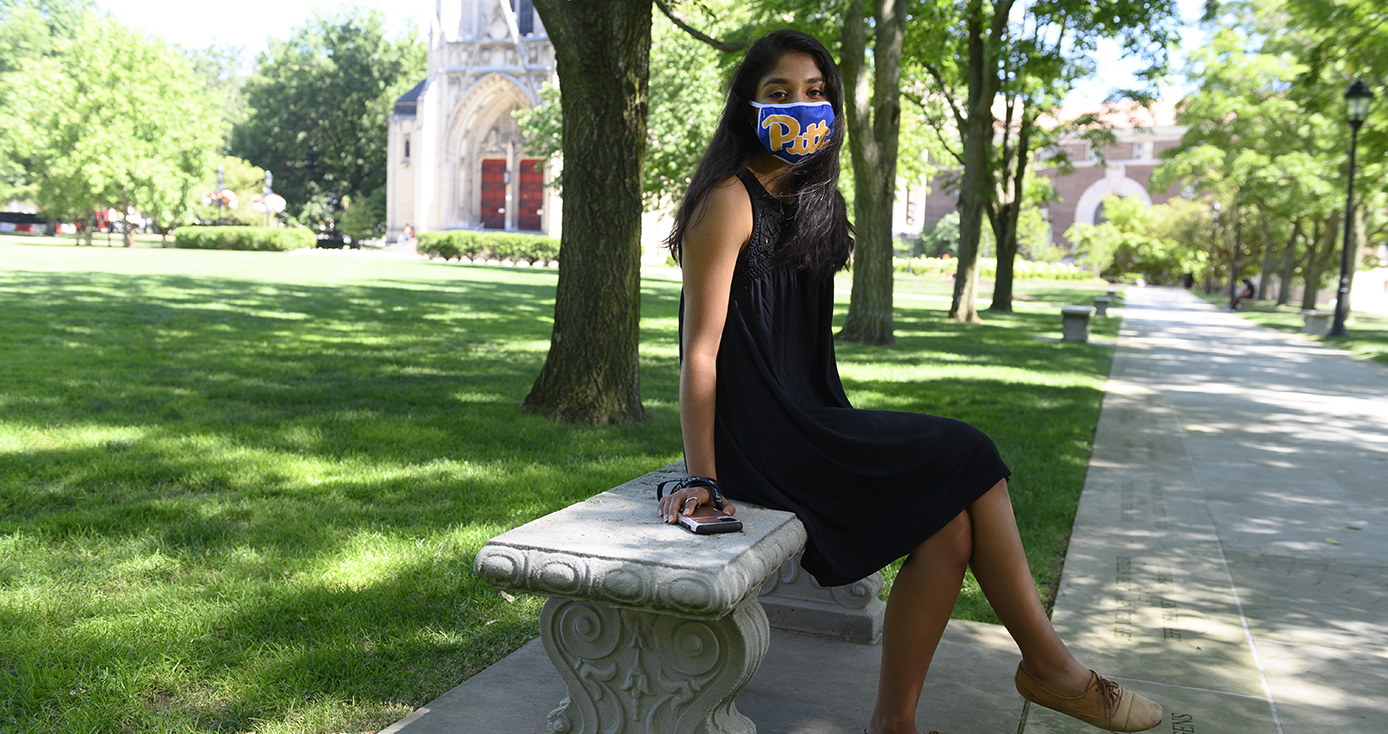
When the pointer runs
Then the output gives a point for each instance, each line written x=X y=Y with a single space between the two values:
x=1000 y=565
x=918 y=608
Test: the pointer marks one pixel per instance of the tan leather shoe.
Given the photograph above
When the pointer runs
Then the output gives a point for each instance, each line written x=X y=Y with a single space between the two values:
x=1104 y=704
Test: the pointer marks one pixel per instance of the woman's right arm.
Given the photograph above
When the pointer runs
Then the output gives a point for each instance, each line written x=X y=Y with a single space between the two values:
x=708 y=256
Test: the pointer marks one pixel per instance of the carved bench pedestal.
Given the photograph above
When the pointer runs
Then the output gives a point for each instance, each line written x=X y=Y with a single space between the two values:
x=653 y=629
x=635 y=671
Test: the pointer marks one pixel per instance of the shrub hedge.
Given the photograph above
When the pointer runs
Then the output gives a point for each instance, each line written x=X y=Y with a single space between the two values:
x=456 y=244
x=988 y=268
x=279 y=239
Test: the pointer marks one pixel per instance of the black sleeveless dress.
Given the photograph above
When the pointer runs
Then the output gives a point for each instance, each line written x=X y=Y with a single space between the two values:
x=869 y=485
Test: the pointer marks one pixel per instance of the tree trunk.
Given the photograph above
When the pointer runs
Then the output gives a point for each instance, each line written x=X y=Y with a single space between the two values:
x=1316 y=258
x=1265 y=272
x=591 y=374
x=1005 y=224
x=1288 y=269
x=975 y=184
x=873 y=124
x=126 y=236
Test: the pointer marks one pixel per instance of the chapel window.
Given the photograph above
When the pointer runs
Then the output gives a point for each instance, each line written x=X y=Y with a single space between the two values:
x=525 y=16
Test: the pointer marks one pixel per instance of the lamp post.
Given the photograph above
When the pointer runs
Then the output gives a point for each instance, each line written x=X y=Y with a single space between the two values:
x=1357 y=99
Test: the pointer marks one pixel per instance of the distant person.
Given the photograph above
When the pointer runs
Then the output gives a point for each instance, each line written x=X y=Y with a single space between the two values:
x=407 y=235
x=1248 y=291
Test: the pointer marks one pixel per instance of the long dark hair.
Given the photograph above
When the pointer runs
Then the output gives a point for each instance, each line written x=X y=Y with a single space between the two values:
x=820 y=237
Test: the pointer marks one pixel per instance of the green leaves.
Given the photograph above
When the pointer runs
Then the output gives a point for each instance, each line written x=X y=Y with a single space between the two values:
x=109 y=117
x=327 y=90
x=1267 y=135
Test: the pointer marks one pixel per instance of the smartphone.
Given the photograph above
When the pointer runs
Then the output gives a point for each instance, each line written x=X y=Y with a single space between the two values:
x=707 y=520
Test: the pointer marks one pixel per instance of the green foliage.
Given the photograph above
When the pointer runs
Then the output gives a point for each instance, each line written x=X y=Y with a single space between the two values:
x=543 y=128
x=1183 y=228
x=276 y=239
x=942 y=238
x=681 y=123
x=33 y=35
x=366 y=219
x=1034 y=241
x=945 y=267
x=456 y=244
x=1120 y=244
x=1096 y=244
x=116 y=119
x=328 y=90
x=218 y=68
x=239 y=177
x=1266 y=136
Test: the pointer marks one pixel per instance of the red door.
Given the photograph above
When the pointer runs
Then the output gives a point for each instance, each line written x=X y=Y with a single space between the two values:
x=494 y=194
x=532 y=193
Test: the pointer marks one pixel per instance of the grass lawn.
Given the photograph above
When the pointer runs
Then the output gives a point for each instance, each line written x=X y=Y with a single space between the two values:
x=242 y=491
x=1366 y=334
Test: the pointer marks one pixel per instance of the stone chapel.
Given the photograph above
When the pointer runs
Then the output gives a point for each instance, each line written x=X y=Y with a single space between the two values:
x=456 y=157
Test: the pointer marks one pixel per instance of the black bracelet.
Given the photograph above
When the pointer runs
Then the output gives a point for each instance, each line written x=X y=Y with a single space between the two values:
x=690 y=482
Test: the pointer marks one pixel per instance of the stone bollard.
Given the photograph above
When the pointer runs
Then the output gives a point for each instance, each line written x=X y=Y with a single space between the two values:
x=1101 y=305
x=1112 y=293
x=1315 y=322
x=1075 y=323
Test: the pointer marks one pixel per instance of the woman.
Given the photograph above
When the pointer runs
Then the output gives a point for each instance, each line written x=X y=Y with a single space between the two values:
x=763 y=413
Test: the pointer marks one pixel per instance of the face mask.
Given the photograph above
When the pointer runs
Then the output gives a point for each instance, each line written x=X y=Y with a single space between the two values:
x=793 y=131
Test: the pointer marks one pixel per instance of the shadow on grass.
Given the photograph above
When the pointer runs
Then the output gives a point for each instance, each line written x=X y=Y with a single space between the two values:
x=217 y=450
x=227 y=503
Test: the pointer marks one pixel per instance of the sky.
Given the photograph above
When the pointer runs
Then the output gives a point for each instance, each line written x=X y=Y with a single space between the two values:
x=248 y=23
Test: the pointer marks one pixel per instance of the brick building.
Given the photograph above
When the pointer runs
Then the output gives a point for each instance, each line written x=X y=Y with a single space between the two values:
x=1125 y=170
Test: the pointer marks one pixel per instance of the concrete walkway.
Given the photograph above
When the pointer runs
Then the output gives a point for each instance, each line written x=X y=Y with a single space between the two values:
x=1230 y=555
x=1229 y=559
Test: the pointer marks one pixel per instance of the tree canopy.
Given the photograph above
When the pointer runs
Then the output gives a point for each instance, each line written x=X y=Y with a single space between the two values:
x=1266 y=142
x=323 y=95
x=109 y=117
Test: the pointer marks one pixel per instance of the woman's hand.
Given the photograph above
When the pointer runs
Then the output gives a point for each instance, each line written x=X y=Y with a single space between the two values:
x=686 y=501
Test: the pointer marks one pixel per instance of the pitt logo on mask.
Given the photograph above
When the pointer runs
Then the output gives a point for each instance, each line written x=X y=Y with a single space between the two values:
x=793 y=131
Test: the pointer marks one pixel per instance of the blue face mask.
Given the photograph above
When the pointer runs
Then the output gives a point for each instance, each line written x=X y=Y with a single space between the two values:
x=793 y=131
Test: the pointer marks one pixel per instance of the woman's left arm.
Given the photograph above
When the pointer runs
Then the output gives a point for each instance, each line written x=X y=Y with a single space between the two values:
x=708 y=258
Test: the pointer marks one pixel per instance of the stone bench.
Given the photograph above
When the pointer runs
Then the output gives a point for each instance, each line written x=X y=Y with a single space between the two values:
x=1101 y=304
x=1315 y=322
x=655 y=629
x=1074 y=322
